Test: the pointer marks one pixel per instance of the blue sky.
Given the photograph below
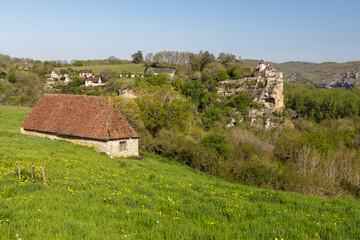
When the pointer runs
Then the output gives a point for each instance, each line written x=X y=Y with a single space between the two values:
x=279 y=31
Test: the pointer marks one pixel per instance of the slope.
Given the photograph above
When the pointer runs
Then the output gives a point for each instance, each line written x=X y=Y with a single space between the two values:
x=90 y=196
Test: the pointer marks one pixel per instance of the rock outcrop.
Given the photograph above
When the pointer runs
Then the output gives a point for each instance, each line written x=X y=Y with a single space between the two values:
x=267 y=92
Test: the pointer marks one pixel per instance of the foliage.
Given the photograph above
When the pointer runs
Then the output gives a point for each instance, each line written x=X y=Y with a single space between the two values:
x=318 y=104
x=213 y=68
x=222 y=75
x=131 y=112
x=108 y=74
x=137 y=57
x=163 y=108
x=74 y=87
x=241 y=101
x=218 y=143
x=234 y=73
x=155 y=80
x=78 y=63
x=226 y=57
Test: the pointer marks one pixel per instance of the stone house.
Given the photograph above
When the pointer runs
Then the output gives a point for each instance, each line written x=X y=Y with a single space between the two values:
x=93 y=81
x=85 y=73
x=85 y=120
x=168 y=71
x=55 y=74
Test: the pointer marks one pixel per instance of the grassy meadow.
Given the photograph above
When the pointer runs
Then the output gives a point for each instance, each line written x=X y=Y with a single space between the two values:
x=133 y=68
x=91 y=196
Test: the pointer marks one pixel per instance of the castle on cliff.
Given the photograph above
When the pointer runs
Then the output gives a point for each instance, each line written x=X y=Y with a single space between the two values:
x=267 y=71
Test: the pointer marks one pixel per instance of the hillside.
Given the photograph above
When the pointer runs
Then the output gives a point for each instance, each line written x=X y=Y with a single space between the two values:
x=133 y=68
x=91 y=196
x=327 y=74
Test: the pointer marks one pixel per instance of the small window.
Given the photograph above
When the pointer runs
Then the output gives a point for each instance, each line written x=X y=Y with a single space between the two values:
x=122 y=145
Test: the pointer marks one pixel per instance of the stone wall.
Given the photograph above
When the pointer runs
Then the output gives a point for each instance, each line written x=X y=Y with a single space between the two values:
x=111 y=147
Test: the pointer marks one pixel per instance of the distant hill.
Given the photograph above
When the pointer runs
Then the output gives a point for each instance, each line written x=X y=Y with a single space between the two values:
x=327 y=74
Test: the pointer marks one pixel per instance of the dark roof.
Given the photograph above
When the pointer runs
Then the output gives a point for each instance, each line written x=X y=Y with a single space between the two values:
x=80 y=116
x=93 y=79
x=163 y=70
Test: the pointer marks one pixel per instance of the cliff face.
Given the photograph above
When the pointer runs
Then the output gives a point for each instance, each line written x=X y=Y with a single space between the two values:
x=266 y=91
x=272 y=95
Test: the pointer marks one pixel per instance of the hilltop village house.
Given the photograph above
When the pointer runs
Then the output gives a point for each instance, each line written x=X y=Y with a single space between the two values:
x=93 y=81
x=267 y=71
x=168 y=71
x=85 y=73
x=85 y=120
x=55 y=74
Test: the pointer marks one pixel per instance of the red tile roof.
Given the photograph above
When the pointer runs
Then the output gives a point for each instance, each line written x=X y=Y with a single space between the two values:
x=79 y=116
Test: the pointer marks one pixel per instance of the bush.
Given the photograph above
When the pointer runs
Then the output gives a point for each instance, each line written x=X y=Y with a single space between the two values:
x=218 y=143
x=241 y=101
x=222 y=75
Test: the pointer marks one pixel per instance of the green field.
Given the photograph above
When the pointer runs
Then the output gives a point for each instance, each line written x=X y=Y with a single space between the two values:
x=91 y=196
x=133 y=68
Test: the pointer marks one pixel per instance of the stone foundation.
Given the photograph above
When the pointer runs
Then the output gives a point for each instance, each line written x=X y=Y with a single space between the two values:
x=110 y=147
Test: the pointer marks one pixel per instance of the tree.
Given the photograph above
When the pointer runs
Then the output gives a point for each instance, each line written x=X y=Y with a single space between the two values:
x=241 y=101
x=213 y=69
x=107 y=74
x=137 y=57
x=77 y=63
x=163 y=108
x=222 y=75
x=234 y=72
x=226 y=57
x=206 y=58
x=112 y=59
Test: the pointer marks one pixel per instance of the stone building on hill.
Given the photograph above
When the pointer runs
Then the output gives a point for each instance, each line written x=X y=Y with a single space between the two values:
x=86 y=120
x=267 y=71
x=93 y=81
x=85 y=73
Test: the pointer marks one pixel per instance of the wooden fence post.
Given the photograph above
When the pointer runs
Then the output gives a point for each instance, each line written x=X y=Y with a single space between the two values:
x=32 y=172
x=43 y=173
x=19 y=169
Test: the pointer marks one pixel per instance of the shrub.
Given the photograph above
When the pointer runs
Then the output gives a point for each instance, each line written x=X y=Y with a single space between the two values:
x=222 y=75
x=218 y=143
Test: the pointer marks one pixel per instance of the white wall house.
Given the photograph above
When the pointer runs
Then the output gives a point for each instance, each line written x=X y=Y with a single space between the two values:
x=85 y=73
x=93 y=81
x=55 y=74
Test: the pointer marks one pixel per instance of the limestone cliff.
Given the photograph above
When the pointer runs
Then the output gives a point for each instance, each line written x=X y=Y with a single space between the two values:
x=268 y=92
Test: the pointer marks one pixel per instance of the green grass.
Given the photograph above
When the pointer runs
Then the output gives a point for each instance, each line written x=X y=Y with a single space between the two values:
x=133 y=68
x=91 y=196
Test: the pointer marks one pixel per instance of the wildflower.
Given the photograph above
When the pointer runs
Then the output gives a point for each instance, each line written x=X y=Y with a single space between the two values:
x=157 y=222
x=127 y=211
x=17 y=235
